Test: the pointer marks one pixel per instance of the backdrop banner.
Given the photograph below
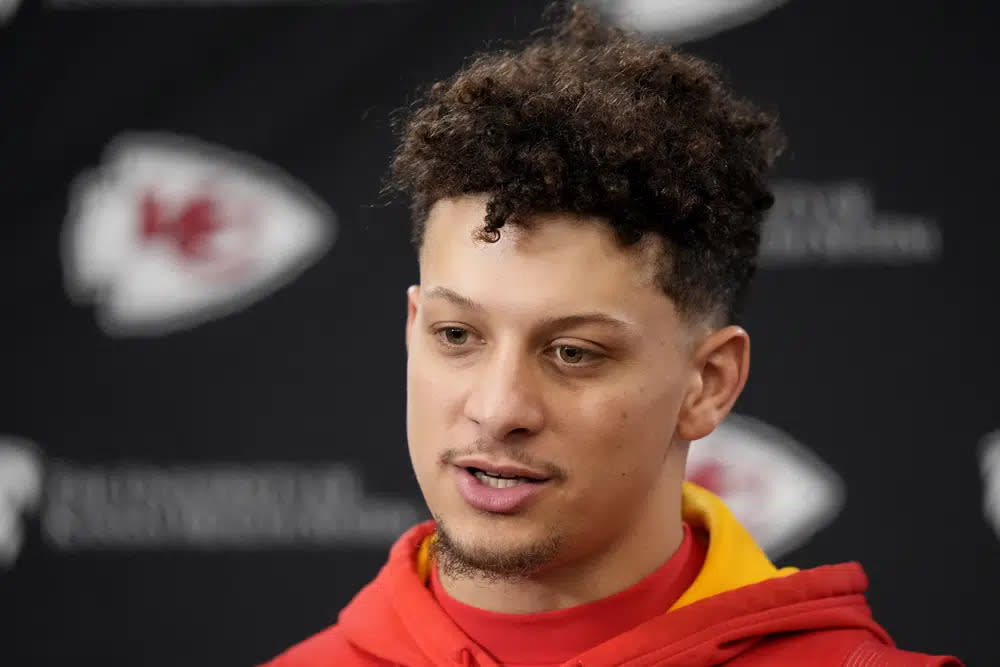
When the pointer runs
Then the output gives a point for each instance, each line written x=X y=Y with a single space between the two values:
x=202 y=426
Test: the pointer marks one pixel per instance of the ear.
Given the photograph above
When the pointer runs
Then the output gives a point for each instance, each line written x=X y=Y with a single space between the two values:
x=412 y=299
x=721 y=363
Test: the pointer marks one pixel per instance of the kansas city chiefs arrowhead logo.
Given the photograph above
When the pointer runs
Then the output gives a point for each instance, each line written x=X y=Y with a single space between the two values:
x=683 y=20
x=779 y=490
x=170 y=232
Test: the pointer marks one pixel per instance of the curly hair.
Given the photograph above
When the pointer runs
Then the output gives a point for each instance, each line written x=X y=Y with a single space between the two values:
x=593 y=120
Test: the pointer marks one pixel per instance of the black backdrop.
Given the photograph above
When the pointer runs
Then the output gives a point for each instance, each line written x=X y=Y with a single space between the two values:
x=881 y=357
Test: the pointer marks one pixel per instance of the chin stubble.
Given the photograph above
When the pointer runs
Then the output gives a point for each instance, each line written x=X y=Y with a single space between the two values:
x=491 y=564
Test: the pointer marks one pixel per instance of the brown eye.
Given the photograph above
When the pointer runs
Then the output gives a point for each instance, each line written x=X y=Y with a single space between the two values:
x=455 y=336
x=571 y=355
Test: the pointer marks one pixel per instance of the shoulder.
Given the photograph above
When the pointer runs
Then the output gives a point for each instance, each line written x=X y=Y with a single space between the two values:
x=327 y=647
x=836 y=648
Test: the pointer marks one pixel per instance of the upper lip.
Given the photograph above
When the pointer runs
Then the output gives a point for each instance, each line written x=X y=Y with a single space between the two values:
x=498 y=468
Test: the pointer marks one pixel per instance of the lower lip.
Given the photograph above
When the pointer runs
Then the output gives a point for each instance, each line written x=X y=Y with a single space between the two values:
x=498 y=501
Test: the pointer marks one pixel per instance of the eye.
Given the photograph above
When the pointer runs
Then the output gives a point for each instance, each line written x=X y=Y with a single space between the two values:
x=454 y=335
x=572 y=355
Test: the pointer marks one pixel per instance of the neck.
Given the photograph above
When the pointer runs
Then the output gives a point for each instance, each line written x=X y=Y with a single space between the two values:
x=645 y=543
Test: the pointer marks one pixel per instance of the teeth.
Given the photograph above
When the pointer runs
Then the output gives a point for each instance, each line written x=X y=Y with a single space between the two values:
x=497 y=482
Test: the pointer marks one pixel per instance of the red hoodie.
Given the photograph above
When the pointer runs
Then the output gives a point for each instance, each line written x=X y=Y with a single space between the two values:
x=740 y=610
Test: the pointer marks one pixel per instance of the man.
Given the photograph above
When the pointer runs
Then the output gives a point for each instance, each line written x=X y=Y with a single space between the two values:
x=587 y=215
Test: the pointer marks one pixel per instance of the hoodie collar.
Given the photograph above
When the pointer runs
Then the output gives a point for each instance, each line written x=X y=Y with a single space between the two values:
x=733 y=559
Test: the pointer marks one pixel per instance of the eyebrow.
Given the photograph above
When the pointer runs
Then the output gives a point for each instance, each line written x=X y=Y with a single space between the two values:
x=461 y=301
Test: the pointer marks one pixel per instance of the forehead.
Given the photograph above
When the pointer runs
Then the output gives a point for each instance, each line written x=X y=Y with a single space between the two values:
x=555 y=241
x=559 y=260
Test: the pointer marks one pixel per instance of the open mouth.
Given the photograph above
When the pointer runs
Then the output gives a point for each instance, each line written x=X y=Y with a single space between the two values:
x=500 y=481
x=503 y=489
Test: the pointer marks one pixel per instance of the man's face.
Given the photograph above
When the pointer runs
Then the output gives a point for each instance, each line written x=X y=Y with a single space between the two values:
x=551 y=354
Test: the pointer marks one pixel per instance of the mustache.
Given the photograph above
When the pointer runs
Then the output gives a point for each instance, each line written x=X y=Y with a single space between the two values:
x=512 y=454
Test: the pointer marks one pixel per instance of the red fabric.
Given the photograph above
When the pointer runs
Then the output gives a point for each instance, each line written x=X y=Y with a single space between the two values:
x=816 y=617
x=550 y=638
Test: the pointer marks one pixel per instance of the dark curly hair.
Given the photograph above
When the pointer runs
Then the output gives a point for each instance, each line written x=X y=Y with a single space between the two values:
x=593 y=120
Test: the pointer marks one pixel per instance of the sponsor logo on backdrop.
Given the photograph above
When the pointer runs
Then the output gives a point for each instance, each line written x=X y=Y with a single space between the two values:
x=839 y=223
x=218 y=506
x=780 y=491
x=20 y=493
x=684 y=20
x=169 y=232
x=989 y=465
x=205 y=506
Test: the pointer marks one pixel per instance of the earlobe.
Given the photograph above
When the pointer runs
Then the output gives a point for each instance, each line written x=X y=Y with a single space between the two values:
x=722 y=363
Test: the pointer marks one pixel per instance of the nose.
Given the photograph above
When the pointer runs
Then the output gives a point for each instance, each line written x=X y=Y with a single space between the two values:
x=505 y=400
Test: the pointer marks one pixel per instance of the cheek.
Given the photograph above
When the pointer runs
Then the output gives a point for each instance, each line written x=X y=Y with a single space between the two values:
x=432 y=398
x=629 y=431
